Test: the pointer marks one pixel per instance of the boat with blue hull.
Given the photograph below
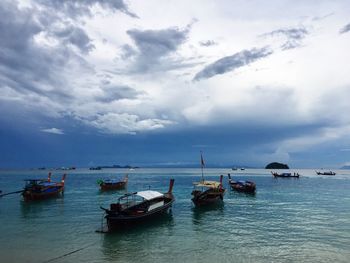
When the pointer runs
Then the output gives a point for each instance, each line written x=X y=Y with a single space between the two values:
x=326 y=173
x=241 y=185
x=39 y=189
x=285 y=175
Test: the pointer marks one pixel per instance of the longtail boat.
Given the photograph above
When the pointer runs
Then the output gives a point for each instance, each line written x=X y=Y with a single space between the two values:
x=136 y=208
x=242 y=186
x=208 y=192
x=325 y=173
x=38 y=189
x=113 y=184
x=285 y=175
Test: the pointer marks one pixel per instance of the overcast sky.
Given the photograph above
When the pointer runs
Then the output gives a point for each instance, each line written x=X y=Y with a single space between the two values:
x=154 y=82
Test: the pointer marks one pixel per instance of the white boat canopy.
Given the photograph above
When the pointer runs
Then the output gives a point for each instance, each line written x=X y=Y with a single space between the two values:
x=149 y=194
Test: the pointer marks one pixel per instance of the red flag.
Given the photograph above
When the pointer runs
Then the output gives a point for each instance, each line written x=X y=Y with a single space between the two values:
x=202 y=161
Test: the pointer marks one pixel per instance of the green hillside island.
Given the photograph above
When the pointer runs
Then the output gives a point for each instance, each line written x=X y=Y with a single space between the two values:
x=276 y=165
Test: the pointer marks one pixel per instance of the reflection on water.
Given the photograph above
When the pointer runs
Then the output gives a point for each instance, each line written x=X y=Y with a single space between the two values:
x=127 y=243
x=113 y=191
x=237 y=194
x=202 y=214
x=35 y=208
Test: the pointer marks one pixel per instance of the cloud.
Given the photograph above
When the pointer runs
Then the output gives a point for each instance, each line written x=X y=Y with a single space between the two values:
x=208 y=43
x=75 y=36
x=128 y=51
x=75 y=8
x=293 y=36
x=53 y=131
x=27 y=66
x=345 y=29
x=233 y=62
x=117 y=92
x=125 y=123
x=153 y=47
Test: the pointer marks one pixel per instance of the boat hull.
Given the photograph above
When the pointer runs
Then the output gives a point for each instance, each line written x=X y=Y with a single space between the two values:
x=326 y=173
x=52 y=192
x=243 y=188
x=116 y=186
x=118 y=222
x=285 y=175
x=208 y=197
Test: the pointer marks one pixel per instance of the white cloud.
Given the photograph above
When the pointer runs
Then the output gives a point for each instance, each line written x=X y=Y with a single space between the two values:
x=125 y=123
x=53 y=131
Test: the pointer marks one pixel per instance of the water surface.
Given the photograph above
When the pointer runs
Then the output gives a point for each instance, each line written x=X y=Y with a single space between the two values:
x=288 y=220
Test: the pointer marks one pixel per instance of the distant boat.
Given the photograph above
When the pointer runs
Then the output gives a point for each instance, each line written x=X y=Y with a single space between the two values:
x=285 y=175
x=234 y=168
x=95 y=168
x=242 y=186
x=325 y=173
x=242 y=169
x=113 y=184
x=37 y=189
x=136 y=208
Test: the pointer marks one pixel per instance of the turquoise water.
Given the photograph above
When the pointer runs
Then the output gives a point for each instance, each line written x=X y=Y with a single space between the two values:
x=288 y=220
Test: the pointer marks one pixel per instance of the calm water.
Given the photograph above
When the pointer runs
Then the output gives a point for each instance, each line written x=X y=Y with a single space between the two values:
x=288 y=220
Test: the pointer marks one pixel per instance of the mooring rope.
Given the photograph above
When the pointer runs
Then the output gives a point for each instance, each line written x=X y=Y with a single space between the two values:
x=20 y=191
x=69 y=253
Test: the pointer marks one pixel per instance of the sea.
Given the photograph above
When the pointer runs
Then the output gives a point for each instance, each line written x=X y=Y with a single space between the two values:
x=287 y=220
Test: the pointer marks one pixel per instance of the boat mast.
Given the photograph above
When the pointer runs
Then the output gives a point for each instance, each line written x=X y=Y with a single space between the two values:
x=202 y=165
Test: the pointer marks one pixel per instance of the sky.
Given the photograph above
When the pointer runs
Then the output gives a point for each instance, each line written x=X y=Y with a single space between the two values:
x=153 y=83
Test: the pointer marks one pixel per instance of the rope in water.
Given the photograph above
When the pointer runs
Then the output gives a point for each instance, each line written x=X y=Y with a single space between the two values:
x=20 y=191
x=69 y=253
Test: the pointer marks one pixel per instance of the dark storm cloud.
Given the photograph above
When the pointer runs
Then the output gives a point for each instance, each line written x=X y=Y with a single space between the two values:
x=127 y=51
x=75 y=36
x=208 y=43
x=25 y=66
x=154 y=45
x=345 y=29
x=293 y=36
x=118 y=92
x=233 y=62
x=75 y=8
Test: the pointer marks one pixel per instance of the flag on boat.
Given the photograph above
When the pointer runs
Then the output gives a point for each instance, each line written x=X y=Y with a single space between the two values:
x=202 y=161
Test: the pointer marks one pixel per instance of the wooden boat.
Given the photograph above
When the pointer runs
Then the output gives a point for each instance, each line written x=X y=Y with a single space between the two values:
x=113 y=184
x=38 y=189
x=325 y=173
x=138 y=207
x=285 y=175
x=242 y=186
x=208 y=192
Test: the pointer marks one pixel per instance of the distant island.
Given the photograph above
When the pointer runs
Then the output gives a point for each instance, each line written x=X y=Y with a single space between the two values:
x=276 y=165
x=113 y=166
x=345 y=167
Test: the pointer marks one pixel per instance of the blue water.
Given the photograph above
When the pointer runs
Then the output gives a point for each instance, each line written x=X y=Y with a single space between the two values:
x=288 y=220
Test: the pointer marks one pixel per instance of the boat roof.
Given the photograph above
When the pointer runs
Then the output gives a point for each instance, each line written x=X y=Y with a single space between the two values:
x=35 y=180
x=210 y=184
x=111 y=181
x=149 y=194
